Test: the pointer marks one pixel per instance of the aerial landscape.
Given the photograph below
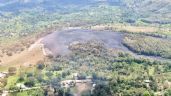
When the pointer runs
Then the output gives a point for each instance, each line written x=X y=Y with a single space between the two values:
x=85 y=47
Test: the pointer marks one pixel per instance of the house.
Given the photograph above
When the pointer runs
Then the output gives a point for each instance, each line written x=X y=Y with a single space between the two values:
x=89 y=77
x=21 y=86
x=75 y=76
x=147 y=82
x=3 y=74
x=68 y=83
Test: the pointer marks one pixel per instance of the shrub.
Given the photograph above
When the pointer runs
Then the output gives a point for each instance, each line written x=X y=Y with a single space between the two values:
x=40 y=66
x=12 y=70
x=30 y=82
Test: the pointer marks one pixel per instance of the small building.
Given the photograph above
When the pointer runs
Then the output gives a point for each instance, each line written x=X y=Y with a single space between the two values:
x=75 y=76
x=3 y=74
x=68 y=83
x=21 y=86
x=147 y=83
x=89 y=77
x=94 y=85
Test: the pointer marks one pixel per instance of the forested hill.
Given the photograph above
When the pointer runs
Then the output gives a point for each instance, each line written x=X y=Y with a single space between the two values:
x=15 y=5
x=24 y=17
x=146 y=9
x=152 y=11
x=122 y=46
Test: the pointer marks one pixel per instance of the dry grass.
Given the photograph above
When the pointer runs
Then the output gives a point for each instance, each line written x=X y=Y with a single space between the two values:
x=25 y=58
x=130 y=28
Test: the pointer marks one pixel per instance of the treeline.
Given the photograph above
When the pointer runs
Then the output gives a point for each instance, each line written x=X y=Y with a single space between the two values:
x=158 y=22
x=148 y=45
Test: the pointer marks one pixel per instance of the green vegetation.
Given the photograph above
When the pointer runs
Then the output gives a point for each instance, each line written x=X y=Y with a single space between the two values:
x=113 y=71
x=11 y=82
x=16 y=23
x=148 y=45
x=20 y=22
x=35 y=92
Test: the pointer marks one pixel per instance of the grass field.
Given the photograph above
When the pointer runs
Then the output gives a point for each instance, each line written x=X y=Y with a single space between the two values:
x=133 y=28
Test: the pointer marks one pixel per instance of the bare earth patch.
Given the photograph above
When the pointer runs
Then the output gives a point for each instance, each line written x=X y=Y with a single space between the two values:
x=81 y=87
x=25 y=58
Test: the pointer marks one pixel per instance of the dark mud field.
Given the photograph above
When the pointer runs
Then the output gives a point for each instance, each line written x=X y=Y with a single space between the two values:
x=58 y=42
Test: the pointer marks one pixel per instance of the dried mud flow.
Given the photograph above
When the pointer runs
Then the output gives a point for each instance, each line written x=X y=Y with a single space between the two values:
x=58 y=42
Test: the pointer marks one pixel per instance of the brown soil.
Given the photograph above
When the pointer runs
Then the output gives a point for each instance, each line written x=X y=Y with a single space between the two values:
x=25 y=58
x=81 y=87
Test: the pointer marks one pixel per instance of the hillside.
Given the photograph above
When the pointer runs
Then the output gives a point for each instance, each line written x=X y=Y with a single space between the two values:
x=85 y=47
x=24 y=17
x=151 y=11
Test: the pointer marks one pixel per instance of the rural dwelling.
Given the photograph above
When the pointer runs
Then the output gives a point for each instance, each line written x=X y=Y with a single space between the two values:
x=147 y=82
x=68 y=83
x=89 y=78
x=75 y=76
x=3 y=74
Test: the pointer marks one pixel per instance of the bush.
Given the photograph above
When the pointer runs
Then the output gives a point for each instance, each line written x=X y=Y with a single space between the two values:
x=101 y=90
x=29 y=74
x=86 y=93
x=12 y=70
x=40 y=66
x=30 y=82
x=168 y=93
x=9 y=53
x=21 y=78
x=49 y=74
